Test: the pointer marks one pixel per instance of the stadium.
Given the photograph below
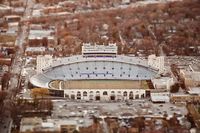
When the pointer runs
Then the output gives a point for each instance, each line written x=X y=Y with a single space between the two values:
x=98 y=74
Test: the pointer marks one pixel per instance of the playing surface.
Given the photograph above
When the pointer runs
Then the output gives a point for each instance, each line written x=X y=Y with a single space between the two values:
x=100 y=84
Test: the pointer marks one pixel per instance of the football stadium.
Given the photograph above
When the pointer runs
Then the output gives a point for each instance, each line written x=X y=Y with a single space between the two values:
x=98 y=74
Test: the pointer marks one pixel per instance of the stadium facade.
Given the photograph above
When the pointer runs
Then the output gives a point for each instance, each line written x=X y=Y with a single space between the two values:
x=98 y=74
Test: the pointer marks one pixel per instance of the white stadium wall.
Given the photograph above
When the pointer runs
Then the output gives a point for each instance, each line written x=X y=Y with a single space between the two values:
x=105 y=94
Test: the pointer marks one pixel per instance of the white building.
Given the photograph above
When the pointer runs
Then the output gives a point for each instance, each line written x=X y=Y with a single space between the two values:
x=162 y=89
x=43 y=62
x=194 y=90
x=97 y=50
x=160 y=96
x=163 y=83
x=5 y=8
x=125 y=1
x=157 y=63
x=191 y=78
x=12 y=18
x=39 y=34
x=13 y=28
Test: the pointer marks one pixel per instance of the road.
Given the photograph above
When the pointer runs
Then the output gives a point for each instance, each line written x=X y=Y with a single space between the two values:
x=16 y=67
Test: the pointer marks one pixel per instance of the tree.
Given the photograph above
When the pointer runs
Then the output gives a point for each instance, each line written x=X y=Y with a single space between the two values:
x=39 y=92
x=174 y=88
x=15 y=110
x=3 y=95
x=138 y=122
x=1 y=1
x=174 y=121
x=45 y=42
x=75 y=131
x=5 y=80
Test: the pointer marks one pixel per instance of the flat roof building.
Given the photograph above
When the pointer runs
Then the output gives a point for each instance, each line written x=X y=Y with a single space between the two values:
x=37 y=125
x=162 y=83
x=191 y=78
x=160 y=96
x=99 y=50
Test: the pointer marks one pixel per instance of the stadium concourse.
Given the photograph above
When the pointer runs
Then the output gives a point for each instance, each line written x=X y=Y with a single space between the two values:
x=98 y=74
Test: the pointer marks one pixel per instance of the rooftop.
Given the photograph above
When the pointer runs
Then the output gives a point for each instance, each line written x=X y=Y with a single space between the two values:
x=161 y=80
x=4 y=7
x=87 y=48
x=39 y=34
x=191 y=75
x=37 y=124
x=194 y=90
x=35 y=49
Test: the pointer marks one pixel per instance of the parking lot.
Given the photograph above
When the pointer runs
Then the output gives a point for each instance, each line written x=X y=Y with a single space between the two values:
x=133 y=108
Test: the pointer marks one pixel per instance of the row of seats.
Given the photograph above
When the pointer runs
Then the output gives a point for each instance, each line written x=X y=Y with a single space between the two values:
x=99 y=70
x=118 y=58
